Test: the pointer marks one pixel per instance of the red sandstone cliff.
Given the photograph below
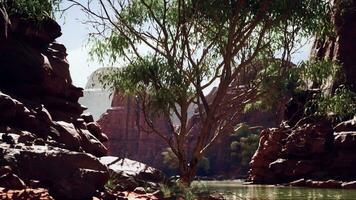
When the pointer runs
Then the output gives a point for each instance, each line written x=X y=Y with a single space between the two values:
x=46 y=141
x=127 y=131
x=341 y=47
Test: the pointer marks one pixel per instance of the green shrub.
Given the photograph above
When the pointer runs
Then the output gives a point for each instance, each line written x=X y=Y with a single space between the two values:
x=339 y=106
x=112 y=182
x=244 y=144
x=276 y=87
x=188 y=193
x=317 y=72
x=171 y=162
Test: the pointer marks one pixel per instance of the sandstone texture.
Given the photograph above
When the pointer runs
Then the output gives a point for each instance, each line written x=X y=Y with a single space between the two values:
x=45 y=139
x=128 y=133
x=312 y=149
x=341 y=46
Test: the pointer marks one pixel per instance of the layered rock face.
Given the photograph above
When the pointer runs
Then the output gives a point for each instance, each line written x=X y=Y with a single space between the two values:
x=128 y=133
x=341 y=47
x=313 y=149
x=46 y=140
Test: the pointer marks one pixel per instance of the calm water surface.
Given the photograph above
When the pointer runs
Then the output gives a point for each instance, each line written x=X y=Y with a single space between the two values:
x=237 y=190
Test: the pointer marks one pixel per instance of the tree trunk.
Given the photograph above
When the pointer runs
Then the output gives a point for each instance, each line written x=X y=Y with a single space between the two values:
x=187 y=175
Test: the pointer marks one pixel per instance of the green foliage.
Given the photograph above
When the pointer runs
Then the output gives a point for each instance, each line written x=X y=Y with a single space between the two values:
x=339 y=106
x=318 y=72
x=112 y=46
x=169 y=79
x=191 y=45
x=207 y=18
x=244 y=145
x=277 y=83
x=276 y=86
x=32 y=9
x=187 y=193
x=171 y=161
x=112 y=182
x=314 y=74
x=153 y=76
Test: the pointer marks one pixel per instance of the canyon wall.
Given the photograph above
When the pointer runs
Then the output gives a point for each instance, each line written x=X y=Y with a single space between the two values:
x=45 y=139
x=313 y=149
x=341 y=46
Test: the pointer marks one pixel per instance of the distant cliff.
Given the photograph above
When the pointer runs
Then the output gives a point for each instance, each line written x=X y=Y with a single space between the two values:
x=125 y=126
x=96 y=98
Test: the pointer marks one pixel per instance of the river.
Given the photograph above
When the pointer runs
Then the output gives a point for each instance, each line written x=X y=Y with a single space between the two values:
x=237 y=190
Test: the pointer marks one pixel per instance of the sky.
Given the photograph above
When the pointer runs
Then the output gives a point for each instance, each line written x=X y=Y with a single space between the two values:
x=75 y=35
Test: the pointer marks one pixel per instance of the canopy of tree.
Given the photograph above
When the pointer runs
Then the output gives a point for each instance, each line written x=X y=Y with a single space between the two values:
x=178 y=50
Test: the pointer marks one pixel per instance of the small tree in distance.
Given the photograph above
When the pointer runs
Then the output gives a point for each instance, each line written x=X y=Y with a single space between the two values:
x=179 y=49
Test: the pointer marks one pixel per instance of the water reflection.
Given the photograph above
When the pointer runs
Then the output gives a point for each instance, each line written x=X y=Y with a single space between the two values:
x=236 y=190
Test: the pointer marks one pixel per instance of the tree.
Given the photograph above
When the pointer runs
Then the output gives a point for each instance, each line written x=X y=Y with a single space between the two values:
x=34 y=9
x=178 y=50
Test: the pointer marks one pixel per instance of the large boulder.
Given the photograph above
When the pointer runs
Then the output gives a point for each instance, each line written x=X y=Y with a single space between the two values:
x=38 y=122
x=40 y=32
x=68 y=174
x=310 y=138
x=270 y=147
x=286 y=154
x=10 y=108
x=131 y=174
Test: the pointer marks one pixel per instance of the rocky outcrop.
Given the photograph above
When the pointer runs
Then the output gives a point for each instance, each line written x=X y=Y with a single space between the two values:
x=313 y=149
x=37 y=94
x=96 y=97
x=67 y=174
x=45 y=139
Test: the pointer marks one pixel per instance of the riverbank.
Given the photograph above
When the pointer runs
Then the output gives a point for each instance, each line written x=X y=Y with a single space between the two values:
x=237 y=189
